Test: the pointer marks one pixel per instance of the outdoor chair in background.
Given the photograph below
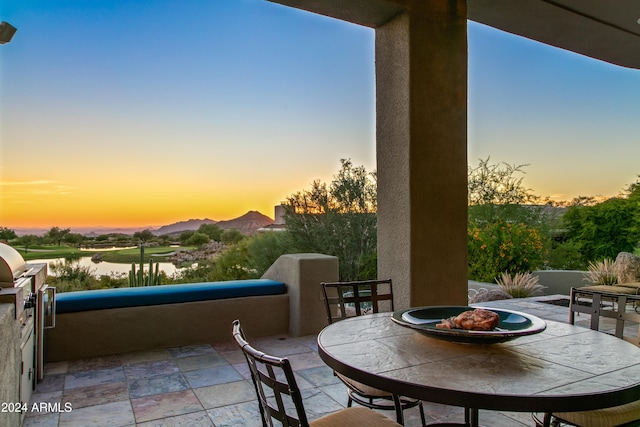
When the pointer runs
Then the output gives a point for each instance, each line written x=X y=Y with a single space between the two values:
x=279 y=397
x=350 y=299
x=600 y=306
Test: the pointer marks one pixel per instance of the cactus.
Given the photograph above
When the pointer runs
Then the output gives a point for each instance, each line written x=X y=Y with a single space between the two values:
x=139 y=278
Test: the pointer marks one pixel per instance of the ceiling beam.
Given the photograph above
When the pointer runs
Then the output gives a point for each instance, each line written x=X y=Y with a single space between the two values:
x=605 y=30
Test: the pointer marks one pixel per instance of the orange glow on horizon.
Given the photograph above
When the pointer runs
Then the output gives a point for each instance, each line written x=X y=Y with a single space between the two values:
x=46 y=203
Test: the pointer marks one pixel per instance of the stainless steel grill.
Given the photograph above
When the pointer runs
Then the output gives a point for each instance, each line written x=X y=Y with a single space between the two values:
x=23 y=285
x=12 y=266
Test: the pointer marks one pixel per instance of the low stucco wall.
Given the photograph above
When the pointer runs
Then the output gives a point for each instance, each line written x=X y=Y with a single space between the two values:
x=556 y=282
x=303 y=274
x=560 y=282
x=10 y=360
x=121 y=330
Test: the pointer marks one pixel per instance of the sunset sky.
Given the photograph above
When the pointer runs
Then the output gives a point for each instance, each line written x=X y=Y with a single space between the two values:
x=145 y=113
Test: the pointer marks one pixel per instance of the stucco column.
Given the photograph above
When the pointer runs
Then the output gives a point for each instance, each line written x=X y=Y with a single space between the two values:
x=421 y=93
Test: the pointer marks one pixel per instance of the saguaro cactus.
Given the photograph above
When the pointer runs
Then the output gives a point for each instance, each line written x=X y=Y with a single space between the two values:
x=139 y=278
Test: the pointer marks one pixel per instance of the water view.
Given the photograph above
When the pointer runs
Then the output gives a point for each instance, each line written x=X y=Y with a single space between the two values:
x=106 y=268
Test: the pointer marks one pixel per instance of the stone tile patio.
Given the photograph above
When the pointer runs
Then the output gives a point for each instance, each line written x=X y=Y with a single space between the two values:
x=209 y=385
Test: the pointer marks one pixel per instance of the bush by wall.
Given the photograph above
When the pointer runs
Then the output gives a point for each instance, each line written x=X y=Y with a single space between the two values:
x=501 y=246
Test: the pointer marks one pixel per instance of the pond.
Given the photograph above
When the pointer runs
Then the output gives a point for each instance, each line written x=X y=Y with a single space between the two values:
x=106 y=268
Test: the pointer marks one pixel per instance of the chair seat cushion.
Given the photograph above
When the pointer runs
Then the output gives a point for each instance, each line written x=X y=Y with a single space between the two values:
x=606 y=417
x=627 y=288
x=354 y=417
x=363 y=388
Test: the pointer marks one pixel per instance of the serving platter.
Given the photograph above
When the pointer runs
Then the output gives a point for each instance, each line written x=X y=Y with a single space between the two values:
x=513 y=324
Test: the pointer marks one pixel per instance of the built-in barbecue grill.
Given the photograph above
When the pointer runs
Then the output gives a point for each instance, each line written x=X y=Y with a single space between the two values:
x=23 y=285
x=12 y=266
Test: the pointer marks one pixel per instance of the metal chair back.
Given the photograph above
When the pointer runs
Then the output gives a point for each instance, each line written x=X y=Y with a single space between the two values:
x=278 y=393
x=350 y=299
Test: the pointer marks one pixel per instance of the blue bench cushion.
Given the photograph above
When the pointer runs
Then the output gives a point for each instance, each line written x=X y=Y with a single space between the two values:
x=69 y=302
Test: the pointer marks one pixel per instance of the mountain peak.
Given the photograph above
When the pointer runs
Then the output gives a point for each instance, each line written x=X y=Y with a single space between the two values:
x=248 y=223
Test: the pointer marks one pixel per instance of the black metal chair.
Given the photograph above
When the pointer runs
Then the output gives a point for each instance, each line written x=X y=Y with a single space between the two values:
x=279 y=397
x=599 y=305
x=349 y=299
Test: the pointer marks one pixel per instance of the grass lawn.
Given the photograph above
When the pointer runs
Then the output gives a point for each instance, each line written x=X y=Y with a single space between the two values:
x=133 y=254
x=118 y=255
x=45 y=252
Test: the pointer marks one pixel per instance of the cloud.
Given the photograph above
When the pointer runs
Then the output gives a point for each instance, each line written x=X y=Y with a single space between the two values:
x=20 y=183
x=36 y=188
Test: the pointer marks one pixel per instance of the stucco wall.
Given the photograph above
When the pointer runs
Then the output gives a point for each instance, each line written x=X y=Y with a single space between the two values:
x=122 y=330
x=421 y=129
x=303 y=274
x=9 y=363
x=560 y=281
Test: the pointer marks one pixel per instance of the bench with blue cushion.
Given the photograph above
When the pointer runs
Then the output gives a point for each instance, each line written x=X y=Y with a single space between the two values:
x=70 y=302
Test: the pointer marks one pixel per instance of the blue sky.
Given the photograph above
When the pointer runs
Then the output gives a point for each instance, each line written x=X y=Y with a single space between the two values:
x=150 y=112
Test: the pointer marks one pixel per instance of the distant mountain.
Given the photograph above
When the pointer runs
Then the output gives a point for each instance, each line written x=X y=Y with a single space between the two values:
x=248 y=223
x=179 y=227
x=85 y=231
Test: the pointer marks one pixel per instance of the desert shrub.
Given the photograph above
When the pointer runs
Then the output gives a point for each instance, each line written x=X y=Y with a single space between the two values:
x=520 y=285
x=264 y=249
x=601 y=273
x=565 y=256
x=233 y=264
x=116 y=280
x=71 y=276
x=503 y=247
x=202 y=272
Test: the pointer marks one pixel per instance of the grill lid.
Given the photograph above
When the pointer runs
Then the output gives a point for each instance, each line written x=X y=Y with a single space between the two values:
x=12 y=265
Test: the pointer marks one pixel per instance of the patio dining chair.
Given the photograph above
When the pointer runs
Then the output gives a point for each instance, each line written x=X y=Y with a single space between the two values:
x=279 y=397
x=350 y=299
x=599 y=306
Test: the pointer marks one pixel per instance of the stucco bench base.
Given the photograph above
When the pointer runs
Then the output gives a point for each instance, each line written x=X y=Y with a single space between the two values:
x=106 y=324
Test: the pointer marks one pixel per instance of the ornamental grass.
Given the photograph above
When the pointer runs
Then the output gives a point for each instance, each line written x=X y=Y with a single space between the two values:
x=520 y=285
x=602 y=273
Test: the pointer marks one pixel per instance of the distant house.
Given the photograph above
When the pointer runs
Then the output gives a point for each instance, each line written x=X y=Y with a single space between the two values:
x=278 y=220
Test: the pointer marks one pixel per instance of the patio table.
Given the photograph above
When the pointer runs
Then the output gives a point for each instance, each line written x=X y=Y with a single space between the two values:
x=564 y=368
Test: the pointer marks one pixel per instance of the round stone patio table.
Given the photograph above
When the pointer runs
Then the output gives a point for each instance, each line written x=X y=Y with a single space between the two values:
x=565 y=368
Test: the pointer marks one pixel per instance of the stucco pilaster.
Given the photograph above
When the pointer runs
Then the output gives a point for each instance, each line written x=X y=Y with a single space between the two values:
x=421 y=90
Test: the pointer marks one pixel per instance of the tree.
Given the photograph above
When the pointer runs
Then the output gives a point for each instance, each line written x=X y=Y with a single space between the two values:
x=338 y=219
x=57 y=235
x=143 y=236
x=263 y=249
x=508 y=228
x=185 y=235
x=229 y=237
x=605 y=229
x=496 y=192
x=198 y=239
x=212 y=230
x=233 y=264
x=74 y=239
x=7 y=234
x=26 y=241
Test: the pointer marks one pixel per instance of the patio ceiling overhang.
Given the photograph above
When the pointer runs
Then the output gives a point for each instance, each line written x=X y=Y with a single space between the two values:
x=605 y=30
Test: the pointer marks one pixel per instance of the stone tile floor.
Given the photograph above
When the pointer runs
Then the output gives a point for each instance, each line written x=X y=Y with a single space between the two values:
x=209 y=385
